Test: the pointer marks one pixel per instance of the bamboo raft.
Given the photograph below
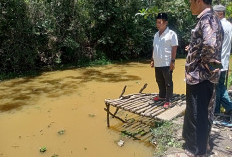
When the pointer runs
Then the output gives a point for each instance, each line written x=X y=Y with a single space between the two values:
x=143 y=104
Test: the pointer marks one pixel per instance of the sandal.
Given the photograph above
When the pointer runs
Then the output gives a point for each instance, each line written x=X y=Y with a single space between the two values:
x=157 y=98
x=167 y=105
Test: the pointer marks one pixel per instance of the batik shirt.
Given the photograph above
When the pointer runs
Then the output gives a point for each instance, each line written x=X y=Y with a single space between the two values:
x=206 y=44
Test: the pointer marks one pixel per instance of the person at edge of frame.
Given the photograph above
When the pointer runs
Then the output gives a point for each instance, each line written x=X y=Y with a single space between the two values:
x=163 y=58
x=202 y=71
x=222 y=96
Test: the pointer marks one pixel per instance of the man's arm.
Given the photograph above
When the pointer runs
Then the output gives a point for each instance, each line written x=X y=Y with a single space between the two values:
x=173 y=57
x=210 y=43
x=152 y=60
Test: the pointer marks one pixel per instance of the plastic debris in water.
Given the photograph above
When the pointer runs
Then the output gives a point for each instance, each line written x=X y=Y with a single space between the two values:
x=121 y=143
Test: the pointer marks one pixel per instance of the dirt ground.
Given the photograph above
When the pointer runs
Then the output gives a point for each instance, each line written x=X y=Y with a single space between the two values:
x=220 y=141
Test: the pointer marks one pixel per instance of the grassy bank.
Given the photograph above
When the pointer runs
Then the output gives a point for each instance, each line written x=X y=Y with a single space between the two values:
x=165 y=135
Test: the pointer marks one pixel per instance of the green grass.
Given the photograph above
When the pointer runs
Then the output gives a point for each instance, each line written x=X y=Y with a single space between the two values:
x=164 y=136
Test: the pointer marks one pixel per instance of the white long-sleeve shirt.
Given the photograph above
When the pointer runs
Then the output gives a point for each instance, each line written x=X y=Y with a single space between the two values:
x=226 y=46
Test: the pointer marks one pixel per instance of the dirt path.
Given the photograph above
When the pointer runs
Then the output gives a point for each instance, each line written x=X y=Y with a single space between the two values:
x=220 y=141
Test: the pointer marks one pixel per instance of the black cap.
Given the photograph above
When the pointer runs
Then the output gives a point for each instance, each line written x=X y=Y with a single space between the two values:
x=163 y=16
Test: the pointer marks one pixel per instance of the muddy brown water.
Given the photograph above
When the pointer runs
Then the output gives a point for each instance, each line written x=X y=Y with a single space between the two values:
x=33 y=110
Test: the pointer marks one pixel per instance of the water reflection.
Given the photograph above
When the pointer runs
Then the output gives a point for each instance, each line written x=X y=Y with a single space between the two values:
x=11 y=105
x=32 y=88
x=34 y=109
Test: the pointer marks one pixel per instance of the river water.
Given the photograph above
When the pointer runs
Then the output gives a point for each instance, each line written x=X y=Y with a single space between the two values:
x=34 y=109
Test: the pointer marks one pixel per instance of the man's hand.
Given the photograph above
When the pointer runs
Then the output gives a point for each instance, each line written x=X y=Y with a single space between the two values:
x=152 y=64
x=186 y=48
x=172 y=66
x=214 y=68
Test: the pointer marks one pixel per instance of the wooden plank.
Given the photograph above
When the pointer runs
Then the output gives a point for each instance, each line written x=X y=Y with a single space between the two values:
x=158 y=112
x=172 y=113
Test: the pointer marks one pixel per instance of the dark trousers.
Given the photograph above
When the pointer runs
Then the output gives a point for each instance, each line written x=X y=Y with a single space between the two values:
x=164 y=80
x=200 y=101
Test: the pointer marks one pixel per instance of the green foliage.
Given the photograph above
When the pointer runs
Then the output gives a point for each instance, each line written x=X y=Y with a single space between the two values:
x=18 y=42
x=229 y=11
x=115 y=29
x=229 y=81
x=164 y=137
x=228 y=5
x=38 y=34
x=179 y=18
x=43 y=149
x=57 y=24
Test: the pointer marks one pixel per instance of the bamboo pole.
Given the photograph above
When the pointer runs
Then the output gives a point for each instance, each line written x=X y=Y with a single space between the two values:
x=123 y=91
x=144 y=86
x=155 y=114
x=108 y=116
x=114 y=116
x=135 y=103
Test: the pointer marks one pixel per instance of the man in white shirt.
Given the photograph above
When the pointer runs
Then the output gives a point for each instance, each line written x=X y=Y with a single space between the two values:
x=163 y=58
x=222 y=97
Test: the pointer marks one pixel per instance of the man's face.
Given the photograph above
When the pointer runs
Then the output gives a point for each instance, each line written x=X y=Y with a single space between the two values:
x=161 y=24
x=220 y=14
x=194 y=5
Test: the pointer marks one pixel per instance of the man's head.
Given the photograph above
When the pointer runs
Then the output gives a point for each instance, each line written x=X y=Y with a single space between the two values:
x=197 y=6
x=220 y=11
x=161 y=21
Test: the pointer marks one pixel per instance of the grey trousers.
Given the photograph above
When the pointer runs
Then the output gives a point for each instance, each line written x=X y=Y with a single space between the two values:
x=164 y=80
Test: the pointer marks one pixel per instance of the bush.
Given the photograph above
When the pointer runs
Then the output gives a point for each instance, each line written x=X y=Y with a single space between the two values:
x=18 y=42
x=45 y=33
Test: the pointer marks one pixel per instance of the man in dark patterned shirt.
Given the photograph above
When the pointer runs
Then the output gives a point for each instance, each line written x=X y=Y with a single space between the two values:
x=202 y=70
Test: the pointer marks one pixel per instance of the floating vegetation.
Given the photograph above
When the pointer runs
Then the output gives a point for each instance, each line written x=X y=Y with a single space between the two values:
x=92 y=115
x=61 y=132
x=131 y=120
x=139 y=131
x=43 y=149
x=130 y=134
